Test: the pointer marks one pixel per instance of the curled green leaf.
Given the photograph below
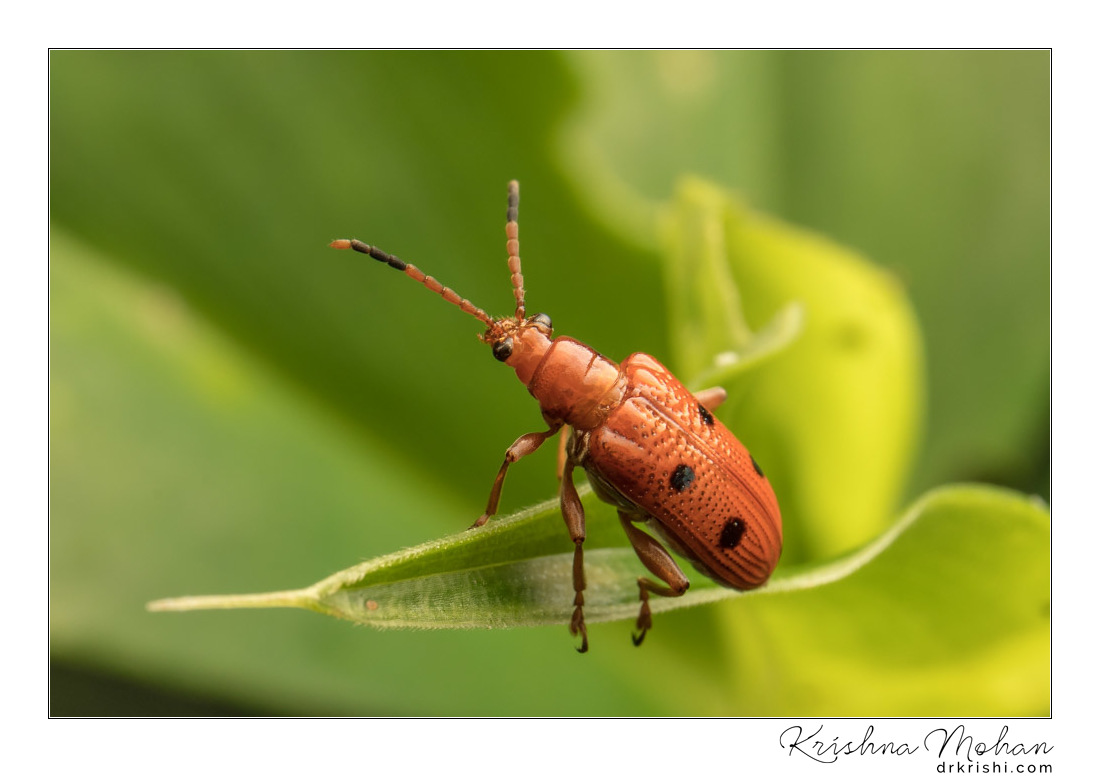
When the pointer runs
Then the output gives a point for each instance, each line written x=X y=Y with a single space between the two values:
x=833 y=418
x=727 y=366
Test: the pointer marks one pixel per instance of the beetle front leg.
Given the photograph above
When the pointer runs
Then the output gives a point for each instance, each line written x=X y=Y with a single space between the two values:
x=526 y=444
x=658 y=561
x=573 y=512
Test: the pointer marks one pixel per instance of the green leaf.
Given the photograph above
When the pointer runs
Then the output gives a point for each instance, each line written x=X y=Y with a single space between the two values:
x=645 y=119
x=958 y=586
x=951 y=618
x=713 y=344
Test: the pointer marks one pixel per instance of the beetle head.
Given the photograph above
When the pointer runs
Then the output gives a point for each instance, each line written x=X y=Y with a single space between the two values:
x=520 y=343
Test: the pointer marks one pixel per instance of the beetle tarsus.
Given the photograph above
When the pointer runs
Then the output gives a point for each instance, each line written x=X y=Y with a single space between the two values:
x=479 y=522
x=645 y=619
x=576 y=626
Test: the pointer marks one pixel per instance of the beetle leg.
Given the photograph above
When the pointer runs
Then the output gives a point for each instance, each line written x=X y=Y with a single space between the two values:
x=562 y=451
x=526 y=444
x=660 y=563
x=712 y=397
x=573 y=513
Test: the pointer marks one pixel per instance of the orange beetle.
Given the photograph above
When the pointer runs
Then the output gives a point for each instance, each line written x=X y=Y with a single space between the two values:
x=649 y=447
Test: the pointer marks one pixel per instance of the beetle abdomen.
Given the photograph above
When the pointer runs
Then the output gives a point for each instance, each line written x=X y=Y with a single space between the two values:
x=668 y=456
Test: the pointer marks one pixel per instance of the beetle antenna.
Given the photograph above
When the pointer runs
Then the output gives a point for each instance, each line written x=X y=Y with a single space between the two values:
x=417 y=275
x=511 y=229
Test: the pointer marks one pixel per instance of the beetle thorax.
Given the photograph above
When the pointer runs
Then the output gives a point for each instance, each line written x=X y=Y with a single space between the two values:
x=575 y=384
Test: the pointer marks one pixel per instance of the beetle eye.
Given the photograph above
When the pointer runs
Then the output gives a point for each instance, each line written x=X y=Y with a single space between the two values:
x=543 y=320
x=503 y=349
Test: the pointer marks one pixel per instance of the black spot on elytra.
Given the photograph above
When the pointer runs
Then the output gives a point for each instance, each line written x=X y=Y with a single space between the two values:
x=682 y=477
x=756 y=466
x=732 y=533
x=708 y=419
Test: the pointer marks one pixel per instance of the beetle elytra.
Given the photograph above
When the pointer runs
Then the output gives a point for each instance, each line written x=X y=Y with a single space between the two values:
x=649 y=447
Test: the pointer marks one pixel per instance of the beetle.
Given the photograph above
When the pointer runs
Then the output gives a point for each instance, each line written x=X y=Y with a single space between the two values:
x=648 y=445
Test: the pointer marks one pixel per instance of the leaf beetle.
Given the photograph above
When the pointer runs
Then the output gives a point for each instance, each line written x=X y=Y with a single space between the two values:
x=648 y=445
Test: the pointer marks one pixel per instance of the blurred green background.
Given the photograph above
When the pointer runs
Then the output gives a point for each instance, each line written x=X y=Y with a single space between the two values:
x=234 y=407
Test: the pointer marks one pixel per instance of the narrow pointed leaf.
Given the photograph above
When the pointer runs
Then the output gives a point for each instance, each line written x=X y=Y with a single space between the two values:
x=989 y=550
